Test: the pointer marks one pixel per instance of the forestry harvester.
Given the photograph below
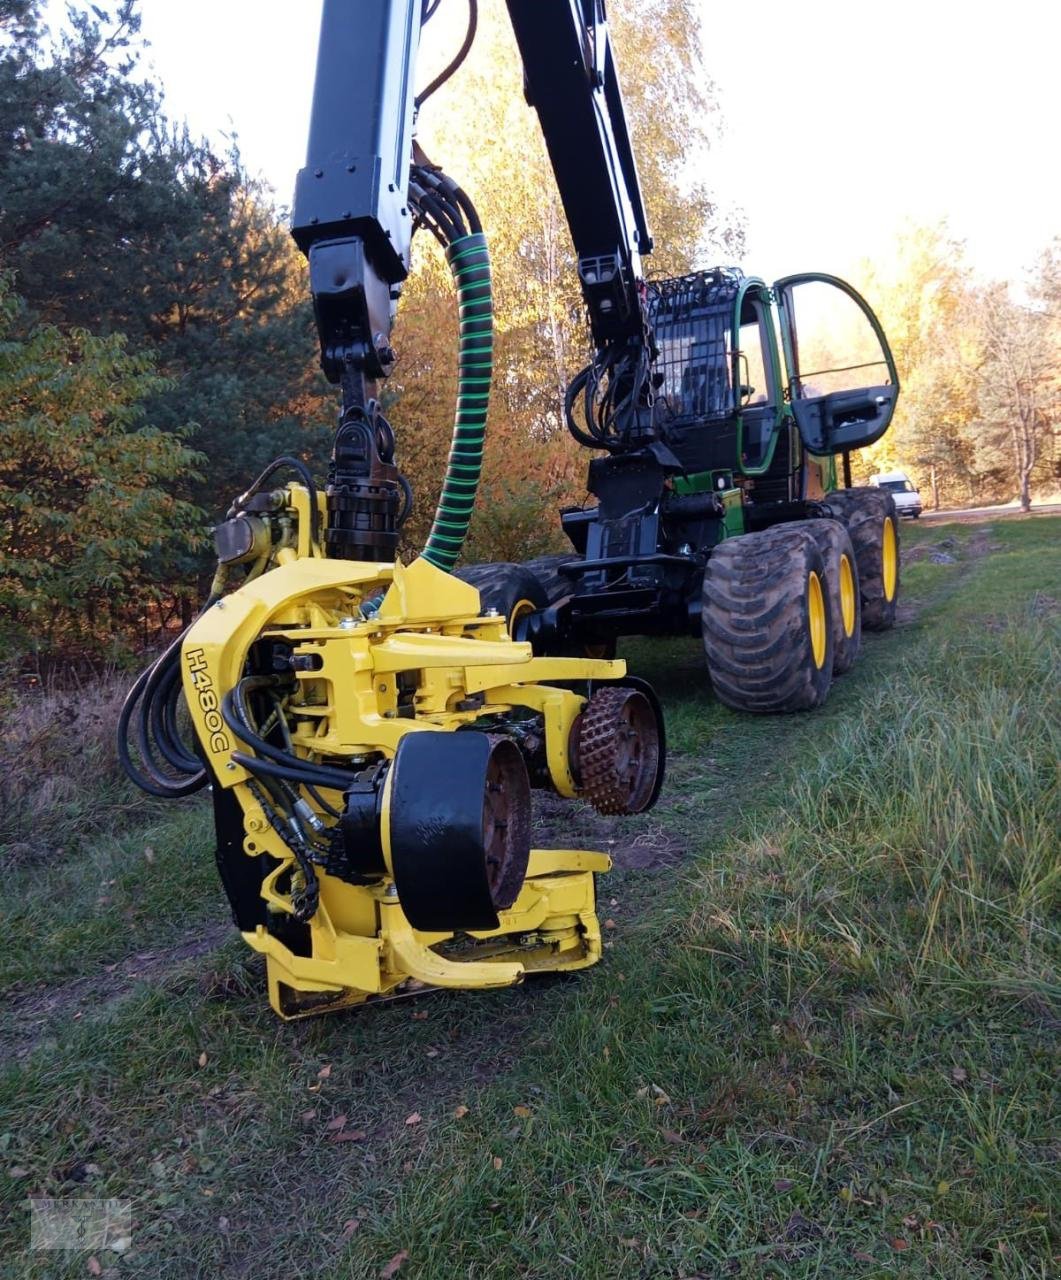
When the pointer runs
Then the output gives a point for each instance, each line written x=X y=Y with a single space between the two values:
x=371 y=730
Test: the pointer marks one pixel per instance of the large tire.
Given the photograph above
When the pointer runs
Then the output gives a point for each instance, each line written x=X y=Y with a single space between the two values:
x=870 y=518
x=547 y=570
x=841 y=578
x=511 y=589
x=556 y=585
x=765 y=621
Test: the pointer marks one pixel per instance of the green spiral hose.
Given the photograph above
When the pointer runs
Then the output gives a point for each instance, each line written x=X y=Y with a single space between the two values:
x=470 y=263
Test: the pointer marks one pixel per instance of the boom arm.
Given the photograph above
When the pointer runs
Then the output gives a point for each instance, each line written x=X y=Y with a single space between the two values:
x=570 y=79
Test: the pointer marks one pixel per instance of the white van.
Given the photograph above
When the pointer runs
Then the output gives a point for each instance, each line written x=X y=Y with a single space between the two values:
x=907 y=498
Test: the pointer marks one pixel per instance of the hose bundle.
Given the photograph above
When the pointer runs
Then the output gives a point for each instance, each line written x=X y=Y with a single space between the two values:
x=442 y=207
x=609 y=392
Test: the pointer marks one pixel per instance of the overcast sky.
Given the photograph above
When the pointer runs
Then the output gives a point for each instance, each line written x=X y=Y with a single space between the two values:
x=843 y=117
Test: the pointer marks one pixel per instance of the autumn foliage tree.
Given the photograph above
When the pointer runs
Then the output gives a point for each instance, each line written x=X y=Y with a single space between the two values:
x=89 y=524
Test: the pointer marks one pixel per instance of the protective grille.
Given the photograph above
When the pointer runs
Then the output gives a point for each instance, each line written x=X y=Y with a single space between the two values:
x=691 y=318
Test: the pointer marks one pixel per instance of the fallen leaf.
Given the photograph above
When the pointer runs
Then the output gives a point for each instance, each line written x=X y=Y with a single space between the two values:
x=349 y=1227
x=415 y=1118
x=149 y=854
x=94 y=1269
x=959 y=1075
x=222 y=1223
x=309 y=1116
x=432 y=1053
x=670 y=1136
x=460 y=1112
x=324 y=1073
x=394 y=1266
x=898 y=1244
x=17 y=1171
x=522 y=1112
x=349 y=1135
x=202 y=1058
x=609 y=923
x=336 y=1122
x=497 y=1162
x=859 y=1256
x=419 y=1015
x=784 y=1184
x=942 y=1188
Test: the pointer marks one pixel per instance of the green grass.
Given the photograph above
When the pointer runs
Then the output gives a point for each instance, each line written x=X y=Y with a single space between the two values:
x=823 y=1044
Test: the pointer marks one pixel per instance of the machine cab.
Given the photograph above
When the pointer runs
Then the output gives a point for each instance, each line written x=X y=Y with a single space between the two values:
x=841 y=379
x=740 y=361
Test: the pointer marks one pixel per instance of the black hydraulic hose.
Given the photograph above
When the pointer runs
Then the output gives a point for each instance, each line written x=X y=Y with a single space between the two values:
x=574 y=389
x=304 y=474
x=289 y=773
x=189 y=774
x=462 y=53
x=236 y=716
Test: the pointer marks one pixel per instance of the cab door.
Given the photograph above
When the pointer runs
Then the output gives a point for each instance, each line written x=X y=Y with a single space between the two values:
x=842 y=382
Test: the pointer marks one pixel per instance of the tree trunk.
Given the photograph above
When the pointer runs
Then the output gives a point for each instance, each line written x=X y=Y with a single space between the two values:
x=935 y=489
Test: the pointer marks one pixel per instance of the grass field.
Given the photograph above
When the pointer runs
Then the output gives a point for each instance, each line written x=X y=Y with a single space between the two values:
x=823 y=1041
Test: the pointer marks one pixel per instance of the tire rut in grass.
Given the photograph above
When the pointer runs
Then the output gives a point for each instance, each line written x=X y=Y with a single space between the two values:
x=30 y=1015
x=964 y=556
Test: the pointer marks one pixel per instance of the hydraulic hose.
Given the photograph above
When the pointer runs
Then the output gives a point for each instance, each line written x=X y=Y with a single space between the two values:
x=470 y=263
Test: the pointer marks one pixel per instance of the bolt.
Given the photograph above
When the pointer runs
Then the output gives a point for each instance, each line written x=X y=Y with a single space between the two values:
x=351 y=168
x=346 y=213
x=231 y=767
x=318 y=173
x=491 y=613
x=391 y=891
x=347 y=624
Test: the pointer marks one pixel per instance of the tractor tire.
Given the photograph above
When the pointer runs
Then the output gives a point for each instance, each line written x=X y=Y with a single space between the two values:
x=870 y=518
x=511 y=589
x=841 y=580
x=555 y=585
x=766 y=622
x=547 y=570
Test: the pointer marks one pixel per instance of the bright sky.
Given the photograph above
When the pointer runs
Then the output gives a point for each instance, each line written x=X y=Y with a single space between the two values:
x=843 y=117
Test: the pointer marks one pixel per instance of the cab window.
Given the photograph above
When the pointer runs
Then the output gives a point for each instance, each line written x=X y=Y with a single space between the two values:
x=838 y=351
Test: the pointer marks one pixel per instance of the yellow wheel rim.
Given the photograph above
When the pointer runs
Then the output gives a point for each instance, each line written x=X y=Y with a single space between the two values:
x=519 y=610
x=889 y=560
x=816 y=619
x=847 y=596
